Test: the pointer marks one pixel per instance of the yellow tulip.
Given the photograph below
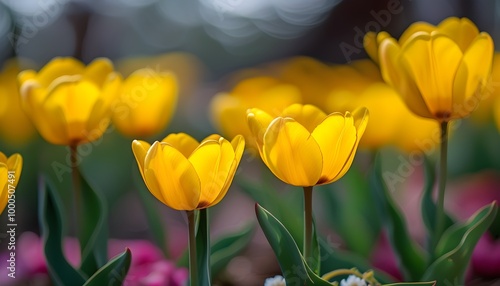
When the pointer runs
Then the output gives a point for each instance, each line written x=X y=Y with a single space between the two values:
x=15 y=127
x=365 y=87
x=146 y=103
x=69 y=103
x=267 y=93
x=187 y=175
x=440 y=74
x=10 y=171
x=304 y=146
x=487 y=107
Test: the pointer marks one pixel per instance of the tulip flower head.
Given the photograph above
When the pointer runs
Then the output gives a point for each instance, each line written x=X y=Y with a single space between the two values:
x=10 y=171
x=10 y=107
x=69 y=103
x=440 y=72
x=306 y=147
x=187 y=175
x=146 y=103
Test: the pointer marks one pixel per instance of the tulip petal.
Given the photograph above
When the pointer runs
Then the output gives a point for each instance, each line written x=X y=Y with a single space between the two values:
x=212 y=161
x=3 y=186
x=140 y=149
x=472 y=75
x=371 y=43
x=414 y=28
x=258 y=122
x=238 y=144
x=15 y=163
x=59 y=67
x=182 y=142
x=307 y=115
x=432 y=61
x=394 y=74
x=98 y=71
x=336 y=137
x=462 y=31
x=171 y=178
x=291 y=153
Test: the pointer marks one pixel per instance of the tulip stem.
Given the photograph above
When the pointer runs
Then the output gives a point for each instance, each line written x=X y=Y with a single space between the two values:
x=440 y=215
x=75 y=176
x=308 y=223
x=193 y=266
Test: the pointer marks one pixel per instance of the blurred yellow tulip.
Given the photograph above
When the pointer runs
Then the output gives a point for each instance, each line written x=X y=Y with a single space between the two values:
x=267 y=93
x=304 y=146
x=15 y=127
x=441 y=73
x=146 y=103
x=187 y=175
x=487 y=108
x=69 y=103
x=10 y=171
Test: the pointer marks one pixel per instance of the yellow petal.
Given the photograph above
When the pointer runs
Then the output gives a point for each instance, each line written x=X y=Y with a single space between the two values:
x=171 y=178
x=212 y=161
x=307 y=115
x=15 y=163
x=238 y=144
x=25 y=76
x=258 y=122
x=182 y=142
x=59 y=67
x=3 y=186
x=371 y=43
x=415 y=28
x=432 y=62
x=98 y=71
x=291 y=153
x=472 y=75
x=336 y=137
x=140 y=149
x=462 y=31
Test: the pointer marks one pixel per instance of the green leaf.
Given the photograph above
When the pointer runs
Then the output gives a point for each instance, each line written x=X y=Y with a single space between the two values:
x=338 y=198
x=113 y=273
x=315 y=264
x=51 y=225
x=228 y=246
x=152 y=214
x=410 y=255
x=203 y=248
x=293 y=266
x=93 y=232
x=428 y=206
x=456 y=245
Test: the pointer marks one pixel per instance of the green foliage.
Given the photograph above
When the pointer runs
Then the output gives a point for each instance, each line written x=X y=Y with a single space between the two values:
x=112 y=273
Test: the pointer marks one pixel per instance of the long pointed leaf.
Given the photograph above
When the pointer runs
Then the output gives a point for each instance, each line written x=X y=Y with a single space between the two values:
x=51 y=225
x=112 y=273
x=410 y=255
x=227 y=247
x=428 y=206
x=293 y=266
x=456 y=245
x=94 y=234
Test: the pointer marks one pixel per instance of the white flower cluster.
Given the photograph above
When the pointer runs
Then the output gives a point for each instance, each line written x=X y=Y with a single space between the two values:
x=353 y=280
x=277 y=280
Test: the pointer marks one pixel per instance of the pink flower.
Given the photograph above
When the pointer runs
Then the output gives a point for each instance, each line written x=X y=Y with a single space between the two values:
x=148 y=267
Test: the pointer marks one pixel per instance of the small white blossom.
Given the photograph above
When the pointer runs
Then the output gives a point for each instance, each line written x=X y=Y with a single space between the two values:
x=277 y=280
x=353 y=280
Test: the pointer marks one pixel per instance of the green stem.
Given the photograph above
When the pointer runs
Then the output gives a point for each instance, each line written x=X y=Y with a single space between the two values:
x=440 y=215
x=193 y=265
x=338 y=272
x=75 y=177
x=308 y=223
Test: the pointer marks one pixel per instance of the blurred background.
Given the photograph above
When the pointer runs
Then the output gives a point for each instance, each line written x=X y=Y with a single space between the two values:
x=204 y=42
